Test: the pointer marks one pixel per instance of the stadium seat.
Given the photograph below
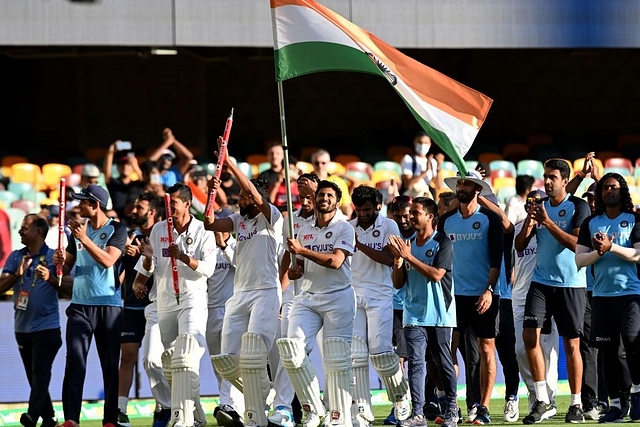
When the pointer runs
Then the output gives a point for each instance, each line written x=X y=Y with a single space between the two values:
x=8 y=197
x=359 y=167
x=27 y=173
x=305 y=167
x=579 y=162
x=539 y=139
x=502 y=182
x=335 y=168
x=607 y=154
x=15 y=216
x=11 y=160
x=515 y=152
x=378 y=176
x=619 y=162
x=346 y=158
x=446 y=173
x=504 y=165
x=488 y=157
x=51 y=174
x=28 y=206
x=448 y=165
x=20 y=188
x=256 y=159
x=357 y=177
x=471 y=164
x=306 y=152
x=263 y=166
x=389 y=166
x=396 y=152
x=505 y=193
x=531 y=167
x=248 y=169
x=500 y=173
x=620 y=171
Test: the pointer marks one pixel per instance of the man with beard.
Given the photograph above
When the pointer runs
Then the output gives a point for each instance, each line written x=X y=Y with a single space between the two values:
x=327 y=301
x=558 y=287
x=609 y=241
x=139 y=321
x=476 y=234
x=182 y=312
x=373 y=325
x=285 y=394
x=251 y=316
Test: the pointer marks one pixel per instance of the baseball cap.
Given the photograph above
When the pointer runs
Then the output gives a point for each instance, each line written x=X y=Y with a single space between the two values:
x=168 y=153
x=54 y=210
x=536 y=194
x=90 y=170
x=591 y=191
x=94 y=193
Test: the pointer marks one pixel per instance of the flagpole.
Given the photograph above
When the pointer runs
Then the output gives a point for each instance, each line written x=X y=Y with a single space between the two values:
x=285 y=149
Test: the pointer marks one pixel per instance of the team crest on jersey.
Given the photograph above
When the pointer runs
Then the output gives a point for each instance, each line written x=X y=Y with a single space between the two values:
x=79 y=246
x=189 y=240
x=376 y=233
x=562 y=213
x=103 y=236
x=624 y=224
x=243 y=225
x=430 y=253
x=476 y=225
x=328 y=235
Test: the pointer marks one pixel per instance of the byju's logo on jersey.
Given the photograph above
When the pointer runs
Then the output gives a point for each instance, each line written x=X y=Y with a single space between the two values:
x=430 y=253
x=562 y=213
x=476 y=225
x=624 y=224
x=376 y=233
x=328 y=235
x=307 y=237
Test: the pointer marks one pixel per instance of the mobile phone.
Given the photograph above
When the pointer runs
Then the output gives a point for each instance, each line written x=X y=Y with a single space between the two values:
x=123 y=145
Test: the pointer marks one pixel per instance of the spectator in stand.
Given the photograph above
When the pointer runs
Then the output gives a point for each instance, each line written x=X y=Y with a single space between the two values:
x=173 y=165
x=278 y=190
x=32 y=275
x=151 y=178
x=123 y=189
x=89 y=174
x=321 y=160
x=275 y=155
x=230 y=187
x=515 y=208
x=52 y=215
x=420 y=169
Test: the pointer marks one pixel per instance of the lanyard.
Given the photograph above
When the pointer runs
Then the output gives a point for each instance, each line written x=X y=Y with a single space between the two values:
x=33 y=283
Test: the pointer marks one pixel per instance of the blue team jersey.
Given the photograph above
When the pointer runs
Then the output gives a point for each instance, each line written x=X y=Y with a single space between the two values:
x=430 y=303
x=555 y=264
x=613 y=276
x=504 y=285
x=93 y=284
x=399 y=294
x=478 y=245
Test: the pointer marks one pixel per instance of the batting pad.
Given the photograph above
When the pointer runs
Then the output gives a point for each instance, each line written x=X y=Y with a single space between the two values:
x=361 y=387
x=185 y=382
x=388 y=367
x=301 y=374
x=166 y=364
x=253 y=369
x=337 y=363
x=228 y=366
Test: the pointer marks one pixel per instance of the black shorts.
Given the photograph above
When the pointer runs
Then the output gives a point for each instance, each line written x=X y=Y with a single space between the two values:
x=397 y=339
x=133 y=324
x=612 y=317
x=565 y=305
x=484 y=325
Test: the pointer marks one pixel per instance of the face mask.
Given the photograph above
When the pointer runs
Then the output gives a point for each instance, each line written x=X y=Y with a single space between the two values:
x=422 y=148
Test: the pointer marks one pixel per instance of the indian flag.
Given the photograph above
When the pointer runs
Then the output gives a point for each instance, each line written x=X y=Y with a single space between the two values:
x=309 y=38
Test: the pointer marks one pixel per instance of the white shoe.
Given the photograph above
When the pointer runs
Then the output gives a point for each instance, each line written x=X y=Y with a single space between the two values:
x=282 y=417
x=402 y=410
x=471 y=414
x=311 y=419
x=359 y=421
x=511 y=410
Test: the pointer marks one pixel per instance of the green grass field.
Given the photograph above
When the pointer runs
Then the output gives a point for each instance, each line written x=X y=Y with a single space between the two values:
x=381 y=412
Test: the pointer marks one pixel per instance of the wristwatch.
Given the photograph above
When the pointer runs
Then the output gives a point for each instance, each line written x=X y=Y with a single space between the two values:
x=490 y=288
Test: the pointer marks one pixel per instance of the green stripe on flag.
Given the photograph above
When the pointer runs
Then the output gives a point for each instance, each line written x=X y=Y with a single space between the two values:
x=298 y=59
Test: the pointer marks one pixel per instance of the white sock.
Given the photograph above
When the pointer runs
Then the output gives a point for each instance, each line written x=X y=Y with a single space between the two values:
x=616 y=403
x=635 y=388
x=122 y=403
x=575 y=400
x=541 y=391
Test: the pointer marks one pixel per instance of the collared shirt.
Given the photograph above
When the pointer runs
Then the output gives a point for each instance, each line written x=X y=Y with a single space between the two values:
x=298 y=222
x=338 y=234
x=220 y=284
x=42 y=309
x=93 y=284
x=429 y=303
x=556 y=265
x=256 y=256
x=370 y=278
x=613 y=276
x=196 y=242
